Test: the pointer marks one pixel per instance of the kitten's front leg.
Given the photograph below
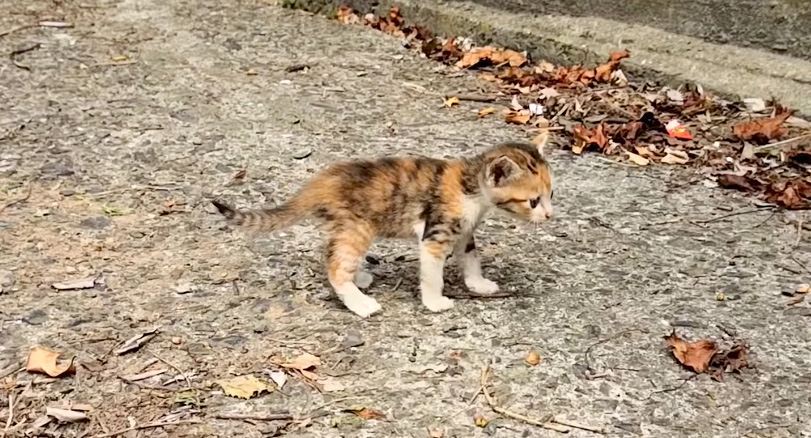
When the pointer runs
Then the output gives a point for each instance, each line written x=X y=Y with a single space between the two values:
x=472 y=268
x=432 y=264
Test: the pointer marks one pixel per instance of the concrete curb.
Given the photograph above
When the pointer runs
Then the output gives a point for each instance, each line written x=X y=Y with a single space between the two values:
x=656 y=55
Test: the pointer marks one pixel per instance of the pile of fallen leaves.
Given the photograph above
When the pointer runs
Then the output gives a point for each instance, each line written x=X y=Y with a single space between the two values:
x=707 y=357
x=753 y=146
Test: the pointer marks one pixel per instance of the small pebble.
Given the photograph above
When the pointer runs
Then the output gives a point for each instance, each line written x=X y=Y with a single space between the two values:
x=176 y=340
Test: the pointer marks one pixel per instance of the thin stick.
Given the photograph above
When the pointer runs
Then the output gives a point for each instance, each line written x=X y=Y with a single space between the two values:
x=781 y=143
x=148 y=426
x=476 y=98
x=737 y=213
x=267 y=417
x=577 y=425
x=17 y=201
x=513 y=415
x=13 y=55
x=17 y=29
x=11 y=371
x=185 y=377
x=10 y=411
x=799 y=233
x=800 y=264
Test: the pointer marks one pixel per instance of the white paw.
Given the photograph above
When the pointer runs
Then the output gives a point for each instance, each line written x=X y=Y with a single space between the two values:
x=481 y=285
x=363 y=279
x=438 y=304
x=362 y=305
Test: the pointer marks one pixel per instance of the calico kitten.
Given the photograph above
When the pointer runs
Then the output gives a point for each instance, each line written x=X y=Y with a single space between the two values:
x=440 y=202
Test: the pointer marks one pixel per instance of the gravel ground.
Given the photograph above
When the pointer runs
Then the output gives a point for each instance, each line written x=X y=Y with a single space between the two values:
x=121 y=157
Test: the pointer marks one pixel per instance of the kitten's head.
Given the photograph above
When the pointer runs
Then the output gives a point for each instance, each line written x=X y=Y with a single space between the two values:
x=517 y=179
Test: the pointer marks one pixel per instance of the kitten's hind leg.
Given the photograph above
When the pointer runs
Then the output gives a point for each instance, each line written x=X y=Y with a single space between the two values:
x=345 y=253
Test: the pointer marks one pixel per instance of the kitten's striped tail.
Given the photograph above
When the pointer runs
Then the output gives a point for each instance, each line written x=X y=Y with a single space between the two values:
x=268 y=219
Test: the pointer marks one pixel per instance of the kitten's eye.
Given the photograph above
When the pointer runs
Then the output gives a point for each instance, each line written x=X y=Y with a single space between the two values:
x=534 y=202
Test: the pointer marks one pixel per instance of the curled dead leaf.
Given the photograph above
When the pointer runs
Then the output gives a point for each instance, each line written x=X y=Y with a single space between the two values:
x=367 y=413
x=638 y=159
x=517 y=117
x=303 y=362
x=451 y=101
x=761 y=131
x=790 y=194
x=532 y=358
x=65 y=415
x=586 y=137
x=493 y=55
x=695 y=355
x=243 y=386
x=44 y=361
x=484 y=112
x=675 y=156
x=737 y=182
x=480 y=421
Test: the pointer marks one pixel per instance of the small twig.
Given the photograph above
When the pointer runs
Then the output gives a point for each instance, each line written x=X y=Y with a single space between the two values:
x=476 y=98
x=185 y=377
x=267 y=417
x=675 y=388
x=12 y=56
x=472 y=296
x=619 y=163
x=577 y=425
x=737 y=213
x=397 y=285
x=10 y=410
x=17 y=201
x=800 y=263
x=10 y=372
x=17 y=29
x=148 y=426
x=498 y=409
x=774 y=212
x=781 y=143
x=331 y=402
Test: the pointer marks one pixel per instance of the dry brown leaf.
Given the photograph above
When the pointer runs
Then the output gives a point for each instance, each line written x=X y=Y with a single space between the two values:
x=644 y=151
x=436 y=433
x=346 y=15
x=730 y=361
x=790 y=194
x=243 y=386
x=761 y=131
x=586 y=137
x=695 y=355
x=494 y=55
x=638 y=159
x=303 y=362
x=517 y=117
x=675 y=156
x=241 y=175
x=367 y=413
x=484 y=112
x=451 y=101
x=65 y=415
x=532 y=358
x=44 y=361
x=511 y=57
x=737 y=182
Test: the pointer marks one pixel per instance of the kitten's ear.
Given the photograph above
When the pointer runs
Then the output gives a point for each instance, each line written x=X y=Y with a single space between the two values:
x=540 y=141
x=501 y=170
